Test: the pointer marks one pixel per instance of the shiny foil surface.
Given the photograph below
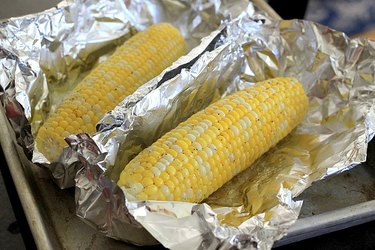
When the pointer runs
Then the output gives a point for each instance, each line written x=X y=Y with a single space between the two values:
x=256 y=207
x=43 y=56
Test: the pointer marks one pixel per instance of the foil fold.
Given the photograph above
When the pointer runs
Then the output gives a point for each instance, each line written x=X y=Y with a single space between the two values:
x=256 y=207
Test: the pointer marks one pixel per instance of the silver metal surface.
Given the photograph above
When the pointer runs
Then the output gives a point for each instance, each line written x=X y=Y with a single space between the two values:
x=336 y=203
x=39 y=224
x=264 y=6
x=328 y=222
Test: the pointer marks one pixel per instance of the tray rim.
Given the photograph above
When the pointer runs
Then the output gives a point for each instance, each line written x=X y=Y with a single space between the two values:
x=327 y=222
x=42 y=231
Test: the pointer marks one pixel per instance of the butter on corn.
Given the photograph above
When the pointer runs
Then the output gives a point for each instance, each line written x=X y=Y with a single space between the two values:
x=201 y=154
x=137 y=61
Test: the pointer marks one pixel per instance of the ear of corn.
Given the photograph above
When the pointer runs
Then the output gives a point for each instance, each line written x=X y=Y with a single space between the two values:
x=196 y=158
x=137 y=61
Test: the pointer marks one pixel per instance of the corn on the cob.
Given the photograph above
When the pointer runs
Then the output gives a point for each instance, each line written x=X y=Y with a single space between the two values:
x=137 y=61
x=201 y=154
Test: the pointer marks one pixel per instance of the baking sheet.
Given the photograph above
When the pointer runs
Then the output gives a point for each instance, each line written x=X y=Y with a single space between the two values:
x=54 y=224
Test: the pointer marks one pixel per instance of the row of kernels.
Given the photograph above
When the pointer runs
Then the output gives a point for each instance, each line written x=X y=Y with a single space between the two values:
x=226 y=135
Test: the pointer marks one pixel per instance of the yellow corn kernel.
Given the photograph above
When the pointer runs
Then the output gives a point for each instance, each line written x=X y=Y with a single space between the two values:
x=137 y=61
x=226 y=138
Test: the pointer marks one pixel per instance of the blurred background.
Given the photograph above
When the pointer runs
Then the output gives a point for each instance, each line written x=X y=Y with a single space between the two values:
x=350 y=16
x=353 y=17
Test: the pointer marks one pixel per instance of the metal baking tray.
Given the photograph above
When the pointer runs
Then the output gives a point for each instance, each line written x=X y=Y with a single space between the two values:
x=336 y=203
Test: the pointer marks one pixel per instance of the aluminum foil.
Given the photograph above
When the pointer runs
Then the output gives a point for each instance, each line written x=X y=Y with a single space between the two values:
x=43 y=56
x=256 y=207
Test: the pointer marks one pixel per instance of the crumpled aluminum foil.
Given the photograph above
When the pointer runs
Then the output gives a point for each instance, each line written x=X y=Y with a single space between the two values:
x=256 y=207
x=43 y=56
